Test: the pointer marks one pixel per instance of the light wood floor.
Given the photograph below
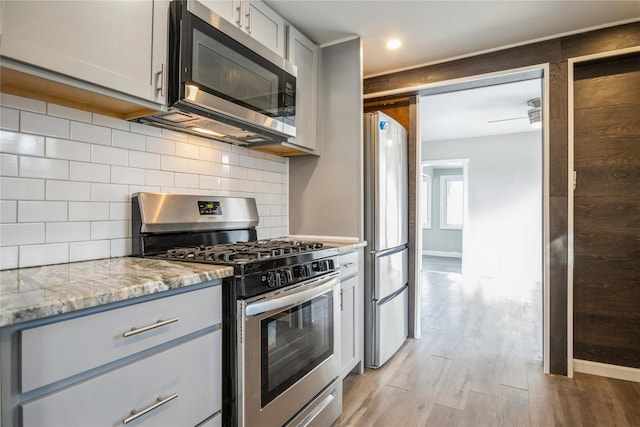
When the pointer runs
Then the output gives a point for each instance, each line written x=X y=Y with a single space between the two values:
x=479 y=363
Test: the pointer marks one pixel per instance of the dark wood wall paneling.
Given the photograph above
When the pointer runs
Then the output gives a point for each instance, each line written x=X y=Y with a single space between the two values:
x=555 y=52
x=607 y=211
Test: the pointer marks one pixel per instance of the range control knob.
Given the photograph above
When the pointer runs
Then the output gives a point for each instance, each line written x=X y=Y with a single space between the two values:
x=286 y=275
x=273 y=279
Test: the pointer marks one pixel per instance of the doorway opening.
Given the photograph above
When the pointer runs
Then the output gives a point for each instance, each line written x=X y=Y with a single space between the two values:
x=495 y=127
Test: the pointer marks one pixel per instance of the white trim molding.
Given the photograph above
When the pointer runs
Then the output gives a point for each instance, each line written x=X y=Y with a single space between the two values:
x=443 y=254
x=606 y=370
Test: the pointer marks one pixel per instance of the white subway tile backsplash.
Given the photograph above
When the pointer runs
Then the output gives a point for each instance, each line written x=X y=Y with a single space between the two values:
x=175 y=164
x=218 y=169
x=87 y=166
x=161 y=178
x=54 y=253
x=83 y=251
x=86 y=132
x=21 y=189
x=69 y=150
x=8 y=257
x=145 y=130
x=37 y=167
x=229 y=158
x=44 y=125
x=68 y=113
x=67 y=232
x=67 y=190
x=21 y=234
x=119 y=211
x=175 y=136
x=8 y=211
x=20 y=103
x=210 y=154
x=88 y=211
x=125 y=175
x=161 y=146
x=187 y=180
x=139 y=159
x=109 y=155
x=89 y=172
x=39 y=211
x=19 y=143
x=209 y=182
x=199 y=167
x=110 y=122
x=120 y=247
x=8 y=164
x=109 y=193
x=109 y=230
x=9 y=119
x=128 y=140
x=187 y=150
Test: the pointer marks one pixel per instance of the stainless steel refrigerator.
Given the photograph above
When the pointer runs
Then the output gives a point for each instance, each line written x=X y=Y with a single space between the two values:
x=386 y=231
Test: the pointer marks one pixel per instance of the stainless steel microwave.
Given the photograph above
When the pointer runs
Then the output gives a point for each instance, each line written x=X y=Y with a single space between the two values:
x=222 y=83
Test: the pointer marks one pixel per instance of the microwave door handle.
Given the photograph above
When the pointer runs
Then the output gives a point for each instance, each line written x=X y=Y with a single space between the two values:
x=263 y=306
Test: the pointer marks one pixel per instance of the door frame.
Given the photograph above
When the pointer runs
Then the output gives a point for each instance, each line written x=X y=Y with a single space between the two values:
x=588 y=367
x=476 y=81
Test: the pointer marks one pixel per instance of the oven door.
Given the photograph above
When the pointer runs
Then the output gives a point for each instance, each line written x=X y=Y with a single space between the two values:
x=289 y=348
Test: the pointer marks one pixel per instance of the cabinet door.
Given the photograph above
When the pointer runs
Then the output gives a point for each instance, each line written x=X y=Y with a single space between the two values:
x=349 y=345
x=191 y=373
x=229 y=10
x=264 y=25
x=304 y=54
x=108 y=43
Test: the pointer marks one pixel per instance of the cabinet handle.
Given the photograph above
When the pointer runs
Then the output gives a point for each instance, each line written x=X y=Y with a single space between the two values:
x=158 y=324
x=159 y=402
x=160 y=81
x=248 y=15
x=341 y=300
x=239 y=20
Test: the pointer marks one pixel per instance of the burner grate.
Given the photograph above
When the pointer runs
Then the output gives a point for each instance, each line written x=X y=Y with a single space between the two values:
x=243 y=251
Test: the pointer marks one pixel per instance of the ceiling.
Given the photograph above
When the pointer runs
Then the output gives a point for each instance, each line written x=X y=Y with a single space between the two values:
x=435 y=31
x=489 y=110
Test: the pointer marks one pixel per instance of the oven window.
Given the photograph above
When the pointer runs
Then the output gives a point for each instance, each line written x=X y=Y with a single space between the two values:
x=234 y=76
x=293 y=342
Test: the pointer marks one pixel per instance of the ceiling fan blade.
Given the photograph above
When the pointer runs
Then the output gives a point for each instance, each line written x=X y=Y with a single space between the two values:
x=506 y=120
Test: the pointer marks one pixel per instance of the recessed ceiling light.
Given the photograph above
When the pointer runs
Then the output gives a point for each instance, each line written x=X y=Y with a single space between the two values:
x=393 y=44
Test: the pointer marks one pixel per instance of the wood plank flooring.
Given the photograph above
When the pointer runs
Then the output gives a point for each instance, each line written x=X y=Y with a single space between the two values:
x=479 y=363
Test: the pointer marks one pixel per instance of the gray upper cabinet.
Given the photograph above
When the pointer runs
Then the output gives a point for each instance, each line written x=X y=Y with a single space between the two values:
x=254 y=18
x=304 y=54
x=121 y=46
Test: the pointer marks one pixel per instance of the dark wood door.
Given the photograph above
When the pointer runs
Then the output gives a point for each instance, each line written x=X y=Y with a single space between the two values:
x=607 y=211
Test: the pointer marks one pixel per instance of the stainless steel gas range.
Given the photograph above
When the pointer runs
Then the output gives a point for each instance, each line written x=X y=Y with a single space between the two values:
x=280 y=309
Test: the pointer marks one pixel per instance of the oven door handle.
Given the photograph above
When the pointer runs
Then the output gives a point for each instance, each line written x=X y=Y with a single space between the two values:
x=308 y=291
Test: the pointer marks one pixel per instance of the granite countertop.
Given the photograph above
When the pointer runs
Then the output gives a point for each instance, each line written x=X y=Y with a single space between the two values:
x=39 y=292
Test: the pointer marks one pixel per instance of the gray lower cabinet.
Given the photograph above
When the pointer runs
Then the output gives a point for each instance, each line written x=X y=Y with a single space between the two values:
x=351 y=344
x=155 y=362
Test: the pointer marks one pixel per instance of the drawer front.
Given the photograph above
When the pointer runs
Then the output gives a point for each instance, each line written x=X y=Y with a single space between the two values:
x=348 y=264
x=192 y=371
x=59 y=350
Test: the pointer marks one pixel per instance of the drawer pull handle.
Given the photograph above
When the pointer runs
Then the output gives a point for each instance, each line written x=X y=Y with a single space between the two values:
x=158 y=324
x=159 y=402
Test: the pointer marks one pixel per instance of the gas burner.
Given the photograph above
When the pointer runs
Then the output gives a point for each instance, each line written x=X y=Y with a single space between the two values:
x=243 y=251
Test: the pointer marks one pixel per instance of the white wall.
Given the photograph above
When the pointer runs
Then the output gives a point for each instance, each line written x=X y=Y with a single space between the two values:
x=503 y=236
x=66 y=179
x=436 y=239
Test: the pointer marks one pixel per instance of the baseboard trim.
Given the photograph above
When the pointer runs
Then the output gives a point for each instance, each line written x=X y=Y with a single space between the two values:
x=606 y=370
x=443 y=254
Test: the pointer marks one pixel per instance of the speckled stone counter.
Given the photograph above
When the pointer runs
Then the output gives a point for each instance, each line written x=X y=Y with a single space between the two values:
x=39 y=292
